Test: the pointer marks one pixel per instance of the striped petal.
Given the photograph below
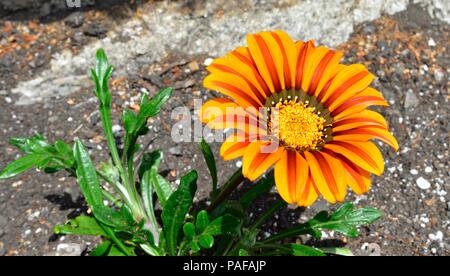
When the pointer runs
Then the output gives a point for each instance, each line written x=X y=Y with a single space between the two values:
x=234 y=146
x=365 y=134
x=304 y=51
x=326 y=171
x=363 y=154
x=265 y=62
x=239 y=62
x=291 y=178
x=361 y=119
x=290 y=53
x=234 y=87
x=311 y=63
x=255 y=161
x=359 y=102
x=215 y=108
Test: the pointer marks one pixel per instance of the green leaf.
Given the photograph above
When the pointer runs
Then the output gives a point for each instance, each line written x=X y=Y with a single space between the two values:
x=206 y=241
x=81 y=225
x=345 y=220
x=211 y=163
x=243 y=252
x=100 y=75
x=150 y=108
x=303 y=250
x=102 y=249
x=22 y=164
x=189 y=230
x=195 y=246
x=176 y=208
x=341 y=251
x=150 y=162
x=109 y=172
x=162 y=188
x=225 y=225
x=147 y=196
x=202 y=221
x=260 y=188
x=90 y=187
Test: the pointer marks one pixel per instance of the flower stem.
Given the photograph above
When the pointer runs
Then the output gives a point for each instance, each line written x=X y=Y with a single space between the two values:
x=227 y=189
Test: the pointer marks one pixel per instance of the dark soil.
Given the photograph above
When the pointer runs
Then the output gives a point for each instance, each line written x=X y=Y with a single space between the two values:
x=406 y=51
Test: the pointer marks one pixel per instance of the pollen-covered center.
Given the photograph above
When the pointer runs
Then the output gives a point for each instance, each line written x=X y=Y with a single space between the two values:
x=299 y=127
x=298 y=120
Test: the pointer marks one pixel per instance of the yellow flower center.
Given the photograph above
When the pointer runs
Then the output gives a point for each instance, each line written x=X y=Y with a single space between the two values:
x=299 y=126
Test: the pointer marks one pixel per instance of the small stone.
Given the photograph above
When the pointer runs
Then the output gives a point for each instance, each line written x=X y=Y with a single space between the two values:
x=52 y=119
x=208 y=61
x=411 y=99
x=438 y=76
x=414 y=172
x=116 y=129
x=175 y=151
x=68 y=249
x=431 y=42
x=423 y=183
x=193 y=65
x=428 y=169
x=239 y=164
x=8 y=100
x=74 y=20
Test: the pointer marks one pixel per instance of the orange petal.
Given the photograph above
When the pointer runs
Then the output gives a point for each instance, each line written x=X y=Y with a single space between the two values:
x=264 y=61
x=331 y=69
x=309 y=194
x=357 y=178
x=311 y=63
x=365 y=134
x=241 y=65
x=322 y=175
x=349 y=88
x=214 y=108
x=343 y=80
x=290 y=52
x=255 y=162
x=363 y=154
x=359 y=102
x=234 y=146
x=282 y=177
x=304 y=51
x=360 y=119
x=233 y=86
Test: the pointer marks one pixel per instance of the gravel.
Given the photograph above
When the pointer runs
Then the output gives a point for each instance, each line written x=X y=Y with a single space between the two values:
x=55 y=99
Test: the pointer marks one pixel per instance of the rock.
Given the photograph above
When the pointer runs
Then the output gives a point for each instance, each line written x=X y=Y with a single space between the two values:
x=68 y=249
x=438 y=76
x=95 y=30
x=74 y=20
x=193 y=65
x=411 y=99
x=175 y=151
x=423 y=183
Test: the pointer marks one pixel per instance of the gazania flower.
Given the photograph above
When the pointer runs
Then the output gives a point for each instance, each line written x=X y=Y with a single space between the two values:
x=323 y=126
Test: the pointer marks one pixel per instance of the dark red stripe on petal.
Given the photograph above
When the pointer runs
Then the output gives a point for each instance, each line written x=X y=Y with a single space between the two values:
x=346 y=85
x=269 y=62
x=320 y=70
x=356 y=101
x=287 y=71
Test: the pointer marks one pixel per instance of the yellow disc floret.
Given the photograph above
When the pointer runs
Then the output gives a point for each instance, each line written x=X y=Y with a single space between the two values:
x=298 y=125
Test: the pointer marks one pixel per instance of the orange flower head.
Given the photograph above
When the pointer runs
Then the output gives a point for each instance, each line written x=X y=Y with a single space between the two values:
x=314 y=109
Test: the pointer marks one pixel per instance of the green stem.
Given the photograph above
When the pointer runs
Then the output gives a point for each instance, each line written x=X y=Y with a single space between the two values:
x=275 y=207
x=135 y=205
x=118 y=242
x=227 y=189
